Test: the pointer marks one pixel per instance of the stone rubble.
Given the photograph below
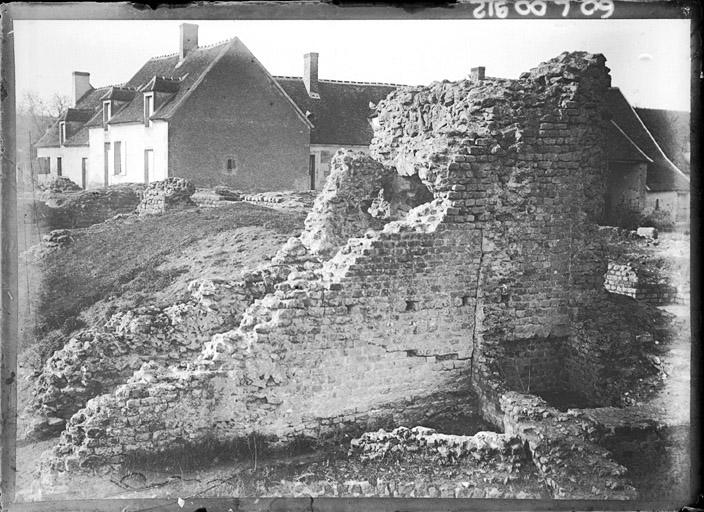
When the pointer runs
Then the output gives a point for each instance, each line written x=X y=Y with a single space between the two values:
x=374 y=321
x=58 y=238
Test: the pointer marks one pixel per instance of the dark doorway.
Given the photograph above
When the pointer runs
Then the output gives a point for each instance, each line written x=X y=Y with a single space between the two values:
x=311 y=171
x=84 y=172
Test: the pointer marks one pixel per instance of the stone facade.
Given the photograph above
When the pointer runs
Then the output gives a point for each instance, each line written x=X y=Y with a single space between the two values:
x=379 y=321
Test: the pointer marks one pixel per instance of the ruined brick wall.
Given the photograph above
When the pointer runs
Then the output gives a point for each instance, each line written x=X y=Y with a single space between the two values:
x=374 y=328
x=521 y=164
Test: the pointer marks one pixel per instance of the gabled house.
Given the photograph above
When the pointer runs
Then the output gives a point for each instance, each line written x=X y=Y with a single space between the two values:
x=641 y=177
x=213 y=115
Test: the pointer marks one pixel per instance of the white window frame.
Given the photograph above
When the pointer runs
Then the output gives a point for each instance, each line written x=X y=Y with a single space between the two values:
x=150 y=112
x=62 y=133
x=107 y=107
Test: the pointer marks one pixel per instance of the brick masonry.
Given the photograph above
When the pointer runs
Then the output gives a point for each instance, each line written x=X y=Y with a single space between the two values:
x=381 y=318
x=630 y=280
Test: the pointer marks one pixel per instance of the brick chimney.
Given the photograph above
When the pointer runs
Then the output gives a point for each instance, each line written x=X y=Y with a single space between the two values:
x=189 y=39
x=477 y=74
x=81 y=85
x=310 y=74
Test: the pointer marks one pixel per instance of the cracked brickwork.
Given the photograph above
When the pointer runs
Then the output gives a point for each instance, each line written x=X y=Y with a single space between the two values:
x=388 y=322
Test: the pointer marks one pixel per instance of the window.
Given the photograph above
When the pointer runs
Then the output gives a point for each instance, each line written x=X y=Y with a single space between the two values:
x=43 y=162
x=231 y=165
x=107 y=113
x=117 y=158
x=62 y=133
x=148 y=107
x=59 y=169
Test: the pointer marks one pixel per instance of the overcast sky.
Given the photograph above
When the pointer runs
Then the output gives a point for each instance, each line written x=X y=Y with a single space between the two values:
x=649 y=59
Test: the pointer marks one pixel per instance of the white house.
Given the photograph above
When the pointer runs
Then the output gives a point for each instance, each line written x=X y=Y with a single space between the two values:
x=213 y=115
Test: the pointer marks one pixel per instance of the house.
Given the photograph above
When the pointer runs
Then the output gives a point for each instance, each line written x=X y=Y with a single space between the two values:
x=642 y=176
x=213 y=115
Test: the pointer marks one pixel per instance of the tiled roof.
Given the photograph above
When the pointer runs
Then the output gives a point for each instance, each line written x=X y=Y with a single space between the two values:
x=188 y=72
x=161 y=84
x=50 y=139
x=620 y=148
x=663 y=175
x=119 y=94
x=671 y=130
x=76 y=115
x=80 y=138
x=89 y=102
x=341 y=115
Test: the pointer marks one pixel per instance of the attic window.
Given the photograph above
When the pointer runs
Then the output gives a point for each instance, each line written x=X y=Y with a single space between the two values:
x=148 y=107
x=231 y=165
x=62 y=133
x=107 y=113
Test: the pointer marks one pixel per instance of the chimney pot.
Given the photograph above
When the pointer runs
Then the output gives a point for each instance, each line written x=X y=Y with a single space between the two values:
x=189 y=39
x=81 y=85
x=310 y=74
x=477 y=74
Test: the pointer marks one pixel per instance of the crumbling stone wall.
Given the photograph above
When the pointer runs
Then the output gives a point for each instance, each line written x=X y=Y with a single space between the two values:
x=564 y=447
x=169 y=194
x=380 y=317
x=96 y=362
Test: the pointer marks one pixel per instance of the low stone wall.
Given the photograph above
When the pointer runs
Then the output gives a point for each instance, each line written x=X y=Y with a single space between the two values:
x=564 y=447
x=205 y=197
x=656 y=450
x=429 y=443
x=169 y=194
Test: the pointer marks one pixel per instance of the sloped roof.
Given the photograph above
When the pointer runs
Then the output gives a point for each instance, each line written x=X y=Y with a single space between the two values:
x=161 y=84
x=341 y=115
x=620 y=148
x=119 y=94
x=187 y=73
x=662 y=175
x=671 y=130
x=76 y=115
x=89 y=102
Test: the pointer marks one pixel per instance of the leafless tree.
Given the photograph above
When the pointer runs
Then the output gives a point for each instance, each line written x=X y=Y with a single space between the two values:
x=41 y=112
